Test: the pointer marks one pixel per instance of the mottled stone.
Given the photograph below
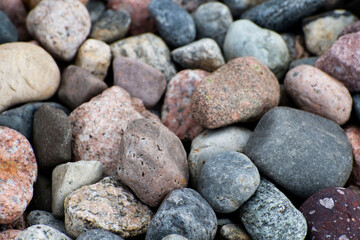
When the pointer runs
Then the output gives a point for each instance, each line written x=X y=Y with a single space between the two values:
x=237 y=7
x=176 y=110
x=307 y=61
x=95 y=8
x=18 y=171
x=41 y=232
x=227 y=97
x=42 y=217
x=106 y=205
x=233 y=232
x=10 y=234
x=174 y=237
x=98 y=234
x=353 y=134
x=186 y=213
x=351 y=28
x=42 y=194
x=308 y=152
x=139 y=79
x=202 y=54
x=66 y=21
x=150 y=149
x=8 y=32
x=269 y=214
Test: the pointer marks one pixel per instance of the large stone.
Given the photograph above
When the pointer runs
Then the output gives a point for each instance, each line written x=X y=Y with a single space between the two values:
x=8 y=32
x=41 y=232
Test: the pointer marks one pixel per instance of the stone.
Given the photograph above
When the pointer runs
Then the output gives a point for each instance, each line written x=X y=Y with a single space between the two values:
x=356 y=104
x=95 y=8
x=10 y=234
x=212 y=142
x=97 y=234
x=174 y=237
x=186 y=213
x=227 y=181
x=106 y=205
x=306 y=150
x=307 y=61
x=16 y=123
x=98 y=124
x=322 y=30
x=66 y=21
x=237 y=7
x=8 y=32
x=244 y=38
x=332 y=213
x=351 y=28
x=353 y=134
x=269 y=214
x=16 y=11
x=42 y=194
x=203 y=54
x=68 y=177
x=78 y=86
x=95 y=56
x=18 y=224
x=139 y=79
x=341 y=63
x=191 y=5
x=30 y=74
x=149 y=149
x=42 y=217
x=176 y=110
x=18 y=172
x=212 y=20
x=41 y=232
x=175 y=25
x=281 y=15
x=147 y=48
x=233 y=232
x=226 y=97
x=317 y=92
x=290 y=40
x=32 y=3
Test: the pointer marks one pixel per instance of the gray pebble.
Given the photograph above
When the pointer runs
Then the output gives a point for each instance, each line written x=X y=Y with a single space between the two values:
x=98 y=234
x=8 y=32
x=41 y=232
x=308 y=61
x=239 y=6
x=96 y=8
x=42 y=217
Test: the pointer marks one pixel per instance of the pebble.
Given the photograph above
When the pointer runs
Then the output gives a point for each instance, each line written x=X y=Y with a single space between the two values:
x=176 y=109
x=353 y=134
x=269 y=214
x=175 y=25
x=290 y=40
x=10 y=234
x=78 y=86
x=18 y=172
x=147 y=48
x=244 y=38
x=32 y=3
x=226 y=97
x=67 y=21
x=16 y=11
x=8 y=32
x=212 y=20
x=322 y=30
x=29 y=73
x=42 y=217
x=186 y=213
x=106 y=205
x=317 y=92
x=68 y=177
x=42 y=194
x=16 y=123
x=239 y=6
x=95 y=56
x=203 y=54
x=302 y=165
x=307 y=61
x=356 y=104
x=139 y=79
x=41 y=232
x=190 y=5
x=18 y=224
x=233 y=232
x=98 y=234
x=150 y=149
x=174 y=237
x=95 y=8
x=351 y=28
x=227 y=181
x=332 y=213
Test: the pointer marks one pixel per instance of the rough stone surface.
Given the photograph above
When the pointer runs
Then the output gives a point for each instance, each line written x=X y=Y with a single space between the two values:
x=269 y=214
x=16 y=11
x=42 y=194
x=67 y=21
x=8 y=32
x=150 y=149
x=106 y=205
x=353 y=134
x=41 y=232
x=227 y=97
x=186 y=213
x=42 y=217
x=98 y=234
x=233 y=232
x=176 y=110
x=302 y=164
x=237 y=7
x=174 y=237
x=351 y=28
x=10 y=234
x=18 y=172
x=303 y=61
x=95 y=8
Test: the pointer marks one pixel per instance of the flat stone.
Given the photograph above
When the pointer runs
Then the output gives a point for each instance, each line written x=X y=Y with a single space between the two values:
x=95 y=8
x=351 y=28
x=106 y=205
x=42 y=217
x=97 y=234
x=237 y=7
x=150 y=149
x=233 y=232
x=186 y=213
x=42 y=194
x=10 y=234
x=306 y=150
x=8 y=32
x=353 y=134
x=41 y=232
x=307 y=61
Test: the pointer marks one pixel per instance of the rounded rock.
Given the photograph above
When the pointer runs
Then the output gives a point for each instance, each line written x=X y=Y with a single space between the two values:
x=174 y=237
x=98 y=234
x=96 y=8
x=353 y=134
x=42 y=217
x=41 y=232
x=16 y=11
x=239 y=6
x=8 y=32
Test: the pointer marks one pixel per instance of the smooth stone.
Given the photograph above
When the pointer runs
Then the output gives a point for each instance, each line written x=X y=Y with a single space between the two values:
x=67 y=21
x=302 y=164
x=356 y=104
x=233 y=232
x=176 y=110
x=147 y=48
x=95 y=8
x=18 y=173
x=174 y=237
x=41 y=232
x=29 y=73
x=16 y=12
x=351 y=28
x=42 y=217
x=237 y=7
x=226 y=97
x=16 y=123
x=290 y=40
x=191 y=5
x=269 y=214
x=98 y=234
x=68 y=177
x=212 y=20
x=149 y=149
x=203 y=54
x=139 y=79
x=244 y=38
x=315 y=91
x=175 y=25
x=353 y=134
x=227 y=181
x=186 y=213
x=303 y=61
x=42 y=194
x=106 y=205
x=8 y=32
x=10 y=234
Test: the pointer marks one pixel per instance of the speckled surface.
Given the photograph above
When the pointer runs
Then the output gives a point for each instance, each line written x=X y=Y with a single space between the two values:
x=353 y=134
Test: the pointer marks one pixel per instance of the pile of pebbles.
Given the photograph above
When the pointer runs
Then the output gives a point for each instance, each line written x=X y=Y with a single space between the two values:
x=175 y=120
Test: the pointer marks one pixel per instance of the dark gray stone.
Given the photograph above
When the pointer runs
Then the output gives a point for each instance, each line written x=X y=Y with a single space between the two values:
x=290 y=40
x=96 y=8
x=98 y=234
x=280 y=15
x=239 y=6
x=186 y=213
x=356 y=104
x=227 y=180
x=42 y=217
x=8 y=32
x=16 y=123
x=175 y=25
x=300 y=151
x=42 y=198
x=308 y=61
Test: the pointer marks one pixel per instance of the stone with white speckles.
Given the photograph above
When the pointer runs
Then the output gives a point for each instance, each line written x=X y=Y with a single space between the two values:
x=41 y=232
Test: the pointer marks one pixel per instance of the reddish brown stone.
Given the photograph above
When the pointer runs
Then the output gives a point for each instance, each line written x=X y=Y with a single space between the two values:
x=176 y=110
x=11 y=234
x=300 y=51
x=353 y=134
x=32 y=3
x=352 y=28
x=16 y=11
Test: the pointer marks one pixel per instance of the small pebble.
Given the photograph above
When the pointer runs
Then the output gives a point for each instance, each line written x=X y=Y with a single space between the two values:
x=98 y=234
x=95 y=8
x=233 y=232
x=174 y=237
x=41 y=232
x=8 y=32
x=42 y=217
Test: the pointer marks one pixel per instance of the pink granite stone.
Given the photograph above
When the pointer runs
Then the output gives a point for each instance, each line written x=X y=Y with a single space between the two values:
x=15 y=10
x=353 y=134
x=11 y=234
x=352 y=28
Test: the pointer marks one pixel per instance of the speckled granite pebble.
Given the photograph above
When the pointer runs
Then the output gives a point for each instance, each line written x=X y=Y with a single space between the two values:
x=42 y=217
x=41 y=232
x=98 y=234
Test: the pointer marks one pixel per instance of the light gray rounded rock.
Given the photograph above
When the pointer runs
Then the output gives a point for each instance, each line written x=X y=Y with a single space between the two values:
x=41 y=232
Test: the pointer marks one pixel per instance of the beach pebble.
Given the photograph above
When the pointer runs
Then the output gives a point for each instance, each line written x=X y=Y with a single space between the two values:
x=353 y=134
x=174 y=237
x=42 y=217
x=303 y=61
x=233 y=232
x=237 y=7
x=190 y=5
x=98 y=234
x=351 y=28
x=10 y=234
x=8 y=32
x=41 y=232
x=16 y=11
x=95 y=8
